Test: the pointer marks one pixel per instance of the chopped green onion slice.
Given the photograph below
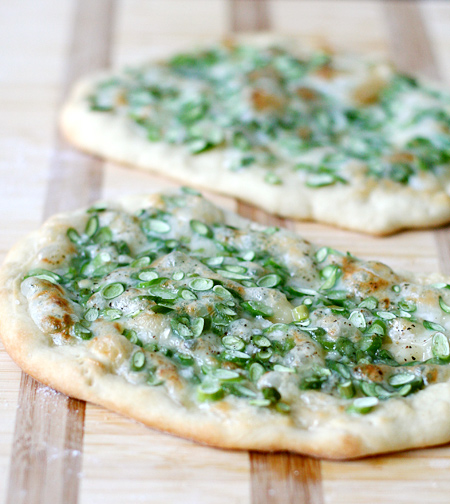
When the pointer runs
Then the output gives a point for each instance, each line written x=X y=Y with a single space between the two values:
x=386 y=315
x=305 y=292
x=300 y=313
x=330 y=273
x=188 y=295
x=132 y=336
x=190 y=191
x=260 y=402
x=210 y=390
x=162 y=293
x=261 y=341
x=197 y=325
x=138 y=361
x=357 y=319
x=157 y=226
x=265 y=354
x=225 y=374
x=147 y=276
x=44 y=274
x=322 y=254
x=92 y=226
x=73 y=235
x=368 y=388
x=405 y=390
x=91 y=314
x=232 y=275
x=346 y=389
x=256 y=371
x=233 y=343
x=444 y=307
x=272 y=178
x=201 y=284
x=153 y=380
x=113 y=290
x=282 y=407
x=111 y=314
x=440 y=346
x=181 y=329
x=320 y=180
x=271 y=280
x=433 y=326
x=82 y=332
x=248 y=256
x=408 y=306
x=244 y=391
x=178 y=275
x=257 y=308
x=363 y=405
x=440 y=285
x=214 y=261
x=201 y=228
x=141 y=262
x=370 y=303
x=234 y=268
x=396 y=288
x=400 y=379
x=283 y=369
x=377 y=327
x=222 y=292
x=235 y=354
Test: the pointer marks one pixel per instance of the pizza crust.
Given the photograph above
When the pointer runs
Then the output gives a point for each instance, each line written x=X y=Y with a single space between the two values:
x=367 y=205
x=322 y=427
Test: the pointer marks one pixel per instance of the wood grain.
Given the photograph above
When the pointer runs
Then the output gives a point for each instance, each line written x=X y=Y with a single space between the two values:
x=48 y=437
x=412 y=52
x=284 y=478
x=275 y=478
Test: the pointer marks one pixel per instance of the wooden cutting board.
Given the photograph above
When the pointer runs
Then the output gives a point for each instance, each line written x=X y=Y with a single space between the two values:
x=58 y=450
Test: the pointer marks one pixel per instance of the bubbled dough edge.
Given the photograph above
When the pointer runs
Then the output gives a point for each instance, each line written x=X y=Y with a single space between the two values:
x=398 y=424
x=367 y=206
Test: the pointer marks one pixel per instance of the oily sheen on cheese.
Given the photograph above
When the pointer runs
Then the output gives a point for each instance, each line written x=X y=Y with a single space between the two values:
x=200 y=323
x=303 y=133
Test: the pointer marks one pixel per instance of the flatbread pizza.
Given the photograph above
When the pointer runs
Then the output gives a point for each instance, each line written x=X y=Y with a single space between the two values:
x=303 y=133
x=197 y=322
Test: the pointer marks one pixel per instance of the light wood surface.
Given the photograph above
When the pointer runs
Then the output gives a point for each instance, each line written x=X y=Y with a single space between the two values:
x=53 y=449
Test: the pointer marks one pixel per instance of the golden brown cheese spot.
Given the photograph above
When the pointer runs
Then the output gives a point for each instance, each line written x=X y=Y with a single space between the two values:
x=401 y=157
x=263 y=101
x=432 y=375
x=304 y=132
x=52 y=324
x=369 y=91
x=371 y=372
x=49 y=309
x=368 y=278
x=326 y=72
x=307 y=94
x=112 y=349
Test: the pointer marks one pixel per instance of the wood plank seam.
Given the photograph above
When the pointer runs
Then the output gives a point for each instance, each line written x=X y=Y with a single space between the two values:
x=47 y=446
x=412 y=52
x=282 y=478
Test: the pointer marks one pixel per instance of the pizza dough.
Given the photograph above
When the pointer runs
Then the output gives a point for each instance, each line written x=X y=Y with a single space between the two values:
x=196 y=322
x=307 y=134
